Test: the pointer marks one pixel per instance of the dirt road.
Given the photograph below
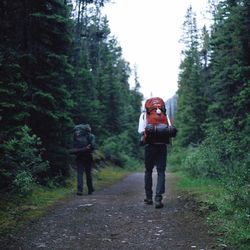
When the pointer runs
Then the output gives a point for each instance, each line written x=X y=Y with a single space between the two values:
x=117 y=218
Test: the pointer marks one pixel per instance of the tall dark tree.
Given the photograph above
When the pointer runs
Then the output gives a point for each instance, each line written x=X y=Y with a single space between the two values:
x=12 y=86
x=224 y=77
x=134 y=108
x=36 y=42
x=87 y=65
x=102 y=76
x=59 y=66
x=226 y=52
x=230 y=73
x=46 y=68
x=191 y=106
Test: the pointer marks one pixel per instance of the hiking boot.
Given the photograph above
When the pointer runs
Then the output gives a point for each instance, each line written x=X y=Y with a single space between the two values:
x=158 y=204
x=79 y=193
x=148 y=201
x=91 y=191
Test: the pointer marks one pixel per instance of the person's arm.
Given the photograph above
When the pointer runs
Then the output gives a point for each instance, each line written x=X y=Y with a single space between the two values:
x=92 y=142
x=142 y=123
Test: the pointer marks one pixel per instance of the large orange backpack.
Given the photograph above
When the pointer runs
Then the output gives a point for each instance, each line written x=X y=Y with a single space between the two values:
x=155 y=111
x=157 y=125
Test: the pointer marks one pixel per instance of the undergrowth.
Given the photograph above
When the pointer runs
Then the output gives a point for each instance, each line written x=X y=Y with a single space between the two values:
x=228 y=222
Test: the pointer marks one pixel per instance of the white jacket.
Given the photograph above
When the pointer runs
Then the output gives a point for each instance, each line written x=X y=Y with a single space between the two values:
x=142 y=122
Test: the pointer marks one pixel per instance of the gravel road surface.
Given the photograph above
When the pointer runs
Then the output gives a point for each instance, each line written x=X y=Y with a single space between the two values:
x=117 y=218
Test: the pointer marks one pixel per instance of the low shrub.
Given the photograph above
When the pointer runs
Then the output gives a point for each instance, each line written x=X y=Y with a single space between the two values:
x=22 y=163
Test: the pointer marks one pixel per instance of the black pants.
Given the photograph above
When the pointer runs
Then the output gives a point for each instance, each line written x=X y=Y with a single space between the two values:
x=84 y=165
x=155 y=155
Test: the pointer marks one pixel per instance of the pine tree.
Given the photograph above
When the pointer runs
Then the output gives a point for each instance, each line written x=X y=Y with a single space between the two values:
x=58 y=68
x=191 y=106
x=46 y=69
x=230 y=75
x=12 y=86
x=86 y=63
x=230 y=59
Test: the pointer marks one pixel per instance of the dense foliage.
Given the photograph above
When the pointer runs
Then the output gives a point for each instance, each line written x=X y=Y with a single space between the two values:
x=214 y=103
x=60 y=66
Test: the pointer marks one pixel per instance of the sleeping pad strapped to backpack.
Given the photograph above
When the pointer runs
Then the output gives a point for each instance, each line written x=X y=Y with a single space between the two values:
x=158 y=129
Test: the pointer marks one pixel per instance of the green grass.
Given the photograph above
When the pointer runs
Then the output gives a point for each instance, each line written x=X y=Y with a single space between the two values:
x=229 y=223
x=206 y=190
x=15 y=210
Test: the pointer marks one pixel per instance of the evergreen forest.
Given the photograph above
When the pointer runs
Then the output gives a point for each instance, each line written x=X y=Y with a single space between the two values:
x=213 y=107
x=60 y=66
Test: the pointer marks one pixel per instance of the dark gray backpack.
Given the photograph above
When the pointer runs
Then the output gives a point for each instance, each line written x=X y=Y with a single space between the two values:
x=81 y=138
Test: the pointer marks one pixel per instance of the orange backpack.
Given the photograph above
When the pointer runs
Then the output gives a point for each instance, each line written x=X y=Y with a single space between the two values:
x=155 y=111
x=157 y=124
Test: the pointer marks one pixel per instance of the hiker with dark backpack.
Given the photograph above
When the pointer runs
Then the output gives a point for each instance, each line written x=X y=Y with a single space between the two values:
x=84 y=145
x=156 y=131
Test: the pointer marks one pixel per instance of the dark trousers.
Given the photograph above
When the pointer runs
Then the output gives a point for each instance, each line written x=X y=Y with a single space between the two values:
x=84 y=165
x=155 y=155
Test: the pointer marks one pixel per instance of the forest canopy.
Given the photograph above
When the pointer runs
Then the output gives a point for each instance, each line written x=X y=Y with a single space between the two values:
x=213 y=105
x=60 y=66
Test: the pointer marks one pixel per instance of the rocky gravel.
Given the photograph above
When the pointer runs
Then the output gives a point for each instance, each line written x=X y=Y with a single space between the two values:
x=117 y=218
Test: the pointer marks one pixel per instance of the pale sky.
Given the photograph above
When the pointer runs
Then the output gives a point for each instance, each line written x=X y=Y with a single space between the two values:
x=149 y=33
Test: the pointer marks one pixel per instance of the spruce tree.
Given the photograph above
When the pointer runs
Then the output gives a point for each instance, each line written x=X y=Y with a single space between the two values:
x=46 y=69
x=228 y=111
x=12 y=86
x=191 y=106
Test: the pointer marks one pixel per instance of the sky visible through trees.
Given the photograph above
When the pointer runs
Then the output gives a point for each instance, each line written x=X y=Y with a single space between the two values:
x=59 y=69
x=149 y=35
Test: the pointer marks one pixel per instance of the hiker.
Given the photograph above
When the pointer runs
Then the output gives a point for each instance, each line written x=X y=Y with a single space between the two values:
x=154 y=126
x=84 y=145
